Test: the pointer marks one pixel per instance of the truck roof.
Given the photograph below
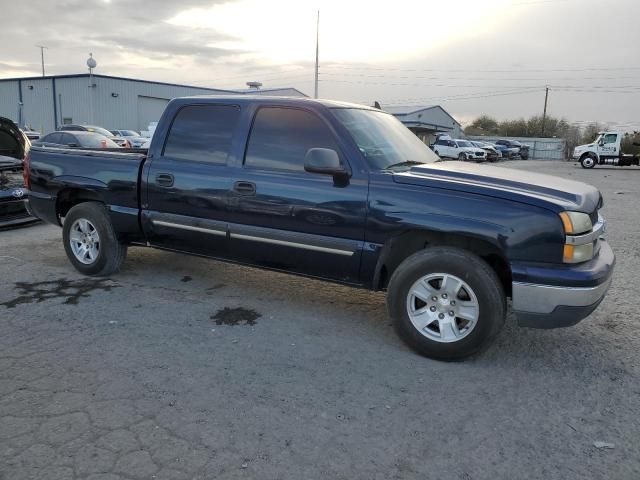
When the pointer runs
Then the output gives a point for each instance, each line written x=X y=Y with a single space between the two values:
x=262 y=99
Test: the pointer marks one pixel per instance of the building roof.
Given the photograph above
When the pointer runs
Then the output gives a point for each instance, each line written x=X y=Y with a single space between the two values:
x=81 y=75
x=411 y=109
x=406 y=110
x=250 y=91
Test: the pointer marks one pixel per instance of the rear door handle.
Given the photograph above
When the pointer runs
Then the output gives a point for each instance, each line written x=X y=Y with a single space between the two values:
x=164 y=179
x=245 y=188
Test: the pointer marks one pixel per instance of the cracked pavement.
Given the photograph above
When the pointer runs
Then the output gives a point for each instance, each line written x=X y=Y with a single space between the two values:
x=184 y=368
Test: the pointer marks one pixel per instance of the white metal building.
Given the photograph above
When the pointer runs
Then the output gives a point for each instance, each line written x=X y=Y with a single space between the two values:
x=427 y=121
x=44 y=103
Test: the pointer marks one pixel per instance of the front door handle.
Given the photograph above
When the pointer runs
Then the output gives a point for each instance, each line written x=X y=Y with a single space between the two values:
x=245 y=188
x=164 y=179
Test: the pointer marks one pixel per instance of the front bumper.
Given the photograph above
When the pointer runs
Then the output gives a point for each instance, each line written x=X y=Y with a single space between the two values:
x=561 y=297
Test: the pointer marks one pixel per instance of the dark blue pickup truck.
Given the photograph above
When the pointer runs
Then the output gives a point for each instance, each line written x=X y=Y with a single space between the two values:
x=343 y=193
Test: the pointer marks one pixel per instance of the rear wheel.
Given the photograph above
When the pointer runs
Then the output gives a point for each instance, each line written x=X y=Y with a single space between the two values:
x=446 y=303
x=90 y=240
x=588 y=161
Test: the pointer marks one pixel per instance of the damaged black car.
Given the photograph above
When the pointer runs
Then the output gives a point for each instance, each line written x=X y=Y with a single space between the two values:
x=14 y=145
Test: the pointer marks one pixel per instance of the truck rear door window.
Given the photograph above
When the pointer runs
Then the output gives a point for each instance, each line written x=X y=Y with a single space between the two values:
x=280 y=138
x=202 y=133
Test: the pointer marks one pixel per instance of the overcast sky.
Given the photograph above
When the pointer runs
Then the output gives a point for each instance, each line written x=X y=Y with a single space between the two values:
x=470 y=56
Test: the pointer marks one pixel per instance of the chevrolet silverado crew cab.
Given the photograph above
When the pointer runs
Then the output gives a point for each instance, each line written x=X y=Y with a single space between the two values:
x=344 y=193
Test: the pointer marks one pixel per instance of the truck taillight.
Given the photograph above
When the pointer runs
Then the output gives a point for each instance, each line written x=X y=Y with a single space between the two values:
x=25 y=171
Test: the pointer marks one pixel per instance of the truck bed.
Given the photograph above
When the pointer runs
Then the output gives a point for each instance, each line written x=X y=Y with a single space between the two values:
x=108 y=175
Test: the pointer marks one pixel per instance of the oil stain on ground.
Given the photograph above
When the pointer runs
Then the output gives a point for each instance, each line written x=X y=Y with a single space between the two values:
x=235 y=316
x=69 y=290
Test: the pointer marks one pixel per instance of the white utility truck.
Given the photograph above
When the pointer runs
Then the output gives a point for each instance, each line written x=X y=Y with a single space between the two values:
x=604 y=150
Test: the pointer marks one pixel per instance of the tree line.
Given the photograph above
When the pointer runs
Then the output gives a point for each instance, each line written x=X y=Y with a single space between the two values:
x=553 y=127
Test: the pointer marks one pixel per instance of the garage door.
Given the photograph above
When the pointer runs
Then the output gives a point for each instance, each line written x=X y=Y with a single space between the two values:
x=150 y=110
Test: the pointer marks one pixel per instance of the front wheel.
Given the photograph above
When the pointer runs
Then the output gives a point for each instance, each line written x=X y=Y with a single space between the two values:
x=446 y=303
x=588 y=161
x=90 y=240
x=462 y=157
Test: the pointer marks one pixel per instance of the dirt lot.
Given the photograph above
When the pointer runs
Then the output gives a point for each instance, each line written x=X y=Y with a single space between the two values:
x=155 y=373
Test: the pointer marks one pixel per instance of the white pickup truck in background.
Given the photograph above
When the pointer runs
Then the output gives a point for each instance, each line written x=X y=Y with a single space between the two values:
x=606 y=149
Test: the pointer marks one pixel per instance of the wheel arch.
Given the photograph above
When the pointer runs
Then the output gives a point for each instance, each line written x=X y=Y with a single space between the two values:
x=69 y=197
x=590 y=154
x=398 y=248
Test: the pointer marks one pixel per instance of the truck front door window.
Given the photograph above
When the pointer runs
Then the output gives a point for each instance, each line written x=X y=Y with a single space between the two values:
x=281 y=137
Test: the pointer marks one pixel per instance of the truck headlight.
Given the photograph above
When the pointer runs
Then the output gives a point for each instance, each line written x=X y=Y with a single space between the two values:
x=577 y=253
x=576 y=223
x=579 y=246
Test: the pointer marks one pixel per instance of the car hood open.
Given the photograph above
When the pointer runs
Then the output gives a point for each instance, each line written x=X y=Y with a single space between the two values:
x=537 y=189
x=13 y=143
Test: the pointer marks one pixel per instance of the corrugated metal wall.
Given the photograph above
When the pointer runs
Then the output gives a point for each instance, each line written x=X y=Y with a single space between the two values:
x=115 y=101
x=539 y=148
x=9 y=96
x=37 y=99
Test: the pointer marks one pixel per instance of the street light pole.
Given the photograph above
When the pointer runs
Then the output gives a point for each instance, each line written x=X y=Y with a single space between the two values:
x=91 y=63
x=544 y=112
x=317 y=52
x=42 y=47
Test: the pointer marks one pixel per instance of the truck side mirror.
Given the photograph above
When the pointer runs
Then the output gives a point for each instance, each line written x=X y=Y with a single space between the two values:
x=326 y=162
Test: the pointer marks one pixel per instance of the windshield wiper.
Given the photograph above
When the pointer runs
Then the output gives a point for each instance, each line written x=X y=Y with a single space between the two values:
x=406 y=163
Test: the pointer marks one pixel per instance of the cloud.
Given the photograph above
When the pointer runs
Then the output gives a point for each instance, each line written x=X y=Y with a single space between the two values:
x=111 y=30
x=400 y=52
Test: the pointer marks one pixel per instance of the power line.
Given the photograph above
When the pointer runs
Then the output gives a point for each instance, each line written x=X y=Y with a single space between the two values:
x=466 y=77
x=527 y=70
x=414 y=101
x=450 y=85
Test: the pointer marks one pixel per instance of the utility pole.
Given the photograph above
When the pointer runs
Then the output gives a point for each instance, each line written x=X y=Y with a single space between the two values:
x=317 y=51
x=42 y=47
x=544 y=112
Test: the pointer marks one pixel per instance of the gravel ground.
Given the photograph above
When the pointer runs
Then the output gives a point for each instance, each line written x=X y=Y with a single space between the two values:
x=181 y=368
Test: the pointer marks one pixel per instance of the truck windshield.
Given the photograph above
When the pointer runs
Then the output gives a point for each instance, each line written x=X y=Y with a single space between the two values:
x=383 y=140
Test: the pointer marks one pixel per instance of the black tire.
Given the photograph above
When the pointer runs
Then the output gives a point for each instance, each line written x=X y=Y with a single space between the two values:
x=462 y=157
x=588 y=161
x=111 y=253
x=466 y=266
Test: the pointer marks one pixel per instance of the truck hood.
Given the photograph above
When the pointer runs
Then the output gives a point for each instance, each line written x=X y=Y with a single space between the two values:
x=545 y=191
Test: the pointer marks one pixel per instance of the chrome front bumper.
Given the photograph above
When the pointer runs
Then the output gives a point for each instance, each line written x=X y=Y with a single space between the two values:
x=541 y=305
